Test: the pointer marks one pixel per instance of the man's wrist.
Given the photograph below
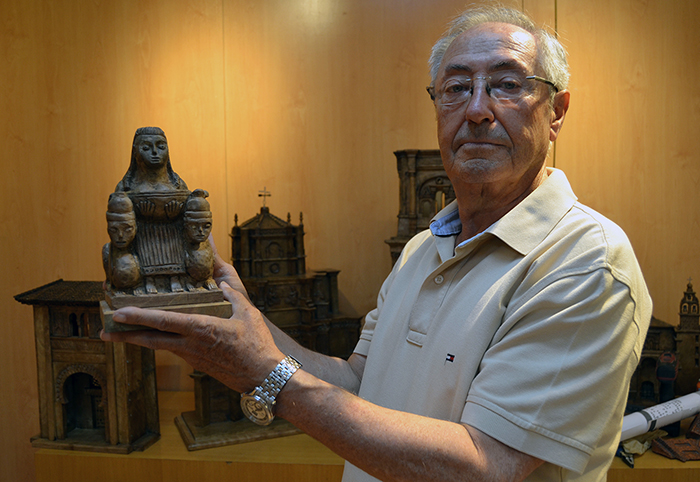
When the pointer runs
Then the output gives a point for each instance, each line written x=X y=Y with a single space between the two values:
x=259 y=404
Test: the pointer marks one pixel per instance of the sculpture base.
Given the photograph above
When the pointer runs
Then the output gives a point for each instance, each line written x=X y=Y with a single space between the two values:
x=120 y=300
x=223 y=433
x=220 y=309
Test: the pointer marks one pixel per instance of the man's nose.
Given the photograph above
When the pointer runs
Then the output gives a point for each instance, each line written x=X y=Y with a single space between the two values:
x=480 y=104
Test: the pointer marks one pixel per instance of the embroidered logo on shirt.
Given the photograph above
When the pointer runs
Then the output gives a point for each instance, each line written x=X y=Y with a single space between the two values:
x=449 y=358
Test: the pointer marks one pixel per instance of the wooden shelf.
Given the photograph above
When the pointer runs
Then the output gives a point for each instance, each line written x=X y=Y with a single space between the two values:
x=290 y=459
x=652 y=467
x=294 y=458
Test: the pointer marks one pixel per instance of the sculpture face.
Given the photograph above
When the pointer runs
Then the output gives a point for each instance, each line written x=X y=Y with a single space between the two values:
x=121 y=233
x=152 y=151
x=197 y=229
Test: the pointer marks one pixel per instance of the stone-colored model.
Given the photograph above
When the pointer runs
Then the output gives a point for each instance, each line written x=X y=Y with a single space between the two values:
x=159 y=254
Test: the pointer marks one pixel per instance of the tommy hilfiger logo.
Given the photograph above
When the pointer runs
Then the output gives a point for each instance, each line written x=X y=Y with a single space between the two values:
x=449 y=358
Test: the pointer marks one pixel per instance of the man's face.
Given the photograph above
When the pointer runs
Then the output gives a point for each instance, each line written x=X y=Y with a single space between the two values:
x=152 y=150
x=486 y=140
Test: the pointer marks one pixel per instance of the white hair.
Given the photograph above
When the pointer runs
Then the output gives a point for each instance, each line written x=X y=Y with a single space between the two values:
x=551 y=56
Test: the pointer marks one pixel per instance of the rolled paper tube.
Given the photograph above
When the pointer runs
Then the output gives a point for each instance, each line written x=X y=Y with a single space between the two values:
x=661 y=415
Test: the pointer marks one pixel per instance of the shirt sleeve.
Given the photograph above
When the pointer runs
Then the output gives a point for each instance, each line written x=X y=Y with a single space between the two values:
x=550 y=383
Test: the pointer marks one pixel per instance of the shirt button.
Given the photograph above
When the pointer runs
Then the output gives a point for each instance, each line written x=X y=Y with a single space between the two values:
x=439 y=279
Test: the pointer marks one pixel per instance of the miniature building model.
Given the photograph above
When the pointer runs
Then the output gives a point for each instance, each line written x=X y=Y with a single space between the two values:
x=645 y=386
x=667 y=344
x=268 y=254
x=688 y=342
x=93 y=395
x=424 y=189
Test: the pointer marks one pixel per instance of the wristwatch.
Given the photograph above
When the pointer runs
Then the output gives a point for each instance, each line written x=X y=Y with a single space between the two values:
x=259 y=404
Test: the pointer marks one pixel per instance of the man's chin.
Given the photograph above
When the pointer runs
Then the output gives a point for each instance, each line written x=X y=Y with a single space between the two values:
x=478 y=169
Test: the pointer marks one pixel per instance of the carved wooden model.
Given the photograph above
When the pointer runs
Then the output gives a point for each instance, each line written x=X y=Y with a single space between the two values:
x=159 y=254
x=683 y=341
x=93 y=395
x=424 y=189
x=268 y=254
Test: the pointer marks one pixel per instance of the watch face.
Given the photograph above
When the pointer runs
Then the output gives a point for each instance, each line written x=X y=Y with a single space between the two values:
x=256 y=409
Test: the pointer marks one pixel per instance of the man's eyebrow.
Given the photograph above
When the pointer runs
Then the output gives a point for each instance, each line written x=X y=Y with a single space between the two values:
x=452 y=68
x=506 y=64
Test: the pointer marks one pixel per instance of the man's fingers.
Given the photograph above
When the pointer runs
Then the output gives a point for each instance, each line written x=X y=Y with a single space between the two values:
x=213 y=246
x=168 y=321
x=155 y=340
x=232 y=296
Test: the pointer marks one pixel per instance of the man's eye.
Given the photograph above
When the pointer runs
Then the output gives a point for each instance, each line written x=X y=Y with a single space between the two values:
x=456 y=88
x=507 y=85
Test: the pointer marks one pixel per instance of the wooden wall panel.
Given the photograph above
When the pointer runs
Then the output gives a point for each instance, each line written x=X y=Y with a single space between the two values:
x=318 y=97
x=628 y=143
x=78 y=78
x=308 y=99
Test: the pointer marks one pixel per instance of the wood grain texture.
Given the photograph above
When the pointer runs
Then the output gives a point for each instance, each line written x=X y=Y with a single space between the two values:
x=293 y=458
x=308 y=99
x=628 y=141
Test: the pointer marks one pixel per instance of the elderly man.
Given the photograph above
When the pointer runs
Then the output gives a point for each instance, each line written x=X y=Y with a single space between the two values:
x=503 y=340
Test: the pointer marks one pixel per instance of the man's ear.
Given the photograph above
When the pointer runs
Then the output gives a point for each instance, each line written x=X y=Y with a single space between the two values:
x=559 y=107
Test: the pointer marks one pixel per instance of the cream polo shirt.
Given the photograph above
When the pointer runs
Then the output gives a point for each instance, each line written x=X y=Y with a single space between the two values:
x=529 y=331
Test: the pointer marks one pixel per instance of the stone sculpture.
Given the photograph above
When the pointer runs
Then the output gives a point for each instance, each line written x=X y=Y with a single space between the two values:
x=159 y=254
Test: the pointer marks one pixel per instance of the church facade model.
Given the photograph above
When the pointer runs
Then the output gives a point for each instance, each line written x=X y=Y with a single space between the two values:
x=670 y=353
x=268 y=254
x=93 y=395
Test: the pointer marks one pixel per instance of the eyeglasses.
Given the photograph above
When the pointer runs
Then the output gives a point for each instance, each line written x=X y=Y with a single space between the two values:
x=502 y=87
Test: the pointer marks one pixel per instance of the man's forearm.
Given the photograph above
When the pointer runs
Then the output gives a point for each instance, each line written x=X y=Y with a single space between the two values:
x=392 y=445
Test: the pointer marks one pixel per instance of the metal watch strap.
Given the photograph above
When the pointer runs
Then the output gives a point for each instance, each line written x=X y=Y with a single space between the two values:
x=278 y=378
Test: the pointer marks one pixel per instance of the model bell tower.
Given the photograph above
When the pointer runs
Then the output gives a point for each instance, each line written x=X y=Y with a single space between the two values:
x=688 y=342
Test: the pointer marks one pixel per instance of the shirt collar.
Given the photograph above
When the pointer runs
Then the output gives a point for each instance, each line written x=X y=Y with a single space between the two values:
x=528 y=223
x=446 y=222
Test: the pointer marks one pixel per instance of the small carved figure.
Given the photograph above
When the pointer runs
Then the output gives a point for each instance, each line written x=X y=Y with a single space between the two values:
x=156 y=247
x=150 y=169
x=120 y=264
x=199 y=257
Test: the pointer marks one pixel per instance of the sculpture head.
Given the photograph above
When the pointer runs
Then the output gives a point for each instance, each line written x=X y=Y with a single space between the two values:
x=121 y=220
x=197 y=217
x=149 y=150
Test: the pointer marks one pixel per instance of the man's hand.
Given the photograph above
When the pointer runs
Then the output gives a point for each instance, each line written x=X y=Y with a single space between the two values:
x=239 y=352
x=224 y=272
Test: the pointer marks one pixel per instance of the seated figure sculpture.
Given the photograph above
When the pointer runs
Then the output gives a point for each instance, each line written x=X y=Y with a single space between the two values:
x=158 y=230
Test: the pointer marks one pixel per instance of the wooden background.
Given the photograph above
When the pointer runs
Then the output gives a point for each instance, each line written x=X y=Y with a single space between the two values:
x=308 y=98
